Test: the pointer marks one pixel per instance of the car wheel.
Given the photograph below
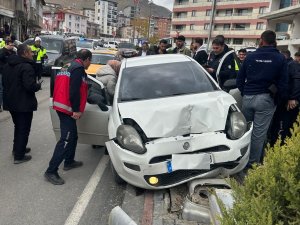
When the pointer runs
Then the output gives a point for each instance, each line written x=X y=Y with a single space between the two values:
x=116 y=176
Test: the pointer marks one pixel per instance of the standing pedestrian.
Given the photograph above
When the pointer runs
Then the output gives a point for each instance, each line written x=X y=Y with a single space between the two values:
x=287 y=112
x=19 y=87
x=69 y=100
x=180 y=47
x=40 y=54
x=242 y=53
x=5 y=52
x=145 y=50
x=162 y=47
x=227 y=70
x=261 y=71
x=287 y=55
x=200 y=55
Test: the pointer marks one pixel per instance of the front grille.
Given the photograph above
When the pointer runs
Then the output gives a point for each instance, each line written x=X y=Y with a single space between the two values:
x=219 y=148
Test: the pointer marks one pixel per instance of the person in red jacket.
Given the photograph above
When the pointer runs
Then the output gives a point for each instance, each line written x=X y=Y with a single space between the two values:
x=69 y=100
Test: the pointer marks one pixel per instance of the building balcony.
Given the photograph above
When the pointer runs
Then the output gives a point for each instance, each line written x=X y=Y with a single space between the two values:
x=285 y=13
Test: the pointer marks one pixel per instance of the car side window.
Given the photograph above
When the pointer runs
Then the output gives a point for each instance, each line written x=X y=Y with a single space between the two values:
x=96 y=94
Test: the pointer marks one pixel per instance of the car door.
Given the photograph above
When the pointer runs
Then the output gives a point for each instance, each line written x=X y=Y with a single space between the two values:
x=92 y=127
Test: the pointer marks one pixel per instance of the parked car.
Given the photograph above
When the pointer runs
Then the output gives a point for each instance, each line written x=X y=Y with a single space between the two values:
x=60 y=50
x=127 y=50
x=169 y=123
x=90 y=45
x=111 y=44
x=100 y=58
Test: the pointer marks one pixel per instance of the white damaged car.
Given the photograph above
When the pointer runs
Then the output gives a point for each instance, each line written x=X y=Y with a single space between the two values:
x=169 y=123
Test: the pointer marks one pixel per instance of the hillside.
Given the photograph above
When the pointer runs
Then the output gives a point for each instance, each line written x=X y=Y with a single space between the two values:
x=144 y=6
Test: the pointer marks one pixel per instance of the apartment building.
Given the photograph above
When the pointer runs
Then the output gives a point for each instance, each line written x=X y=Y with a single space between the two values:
x=90 y=13
x=65 y=20
x=237 y=20
x=284 y=19
x=106 y=12
x=19 y=17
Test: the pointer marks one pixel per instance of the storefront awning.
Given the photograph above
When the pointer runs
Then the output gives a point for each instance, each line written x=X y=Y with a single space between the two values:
x=7 y=13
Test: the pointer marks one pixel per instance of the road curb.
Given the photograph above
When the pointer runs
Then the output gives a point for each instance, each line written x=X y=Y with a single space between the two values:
x=133 y=203
x=148 y=208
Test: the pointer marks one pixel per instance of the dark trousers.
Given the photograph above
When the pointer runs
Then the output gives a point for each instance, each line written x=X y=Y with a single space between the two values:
x=22 y=122
x=282 y=123
x=38 y=70
x=66 y=146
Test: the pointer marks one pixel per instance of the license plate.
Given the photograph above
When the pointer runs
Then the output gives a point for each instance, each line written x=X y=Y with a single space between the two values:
x=190 y=162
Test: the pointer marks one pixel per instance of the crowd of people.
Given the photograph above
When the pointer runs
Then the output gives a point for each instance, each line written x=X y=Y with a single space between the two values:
x=269 y=82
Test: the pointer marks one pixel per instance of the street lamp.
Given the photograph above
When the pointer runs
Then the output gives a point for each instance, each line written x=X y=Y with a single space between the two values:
x=150 y=2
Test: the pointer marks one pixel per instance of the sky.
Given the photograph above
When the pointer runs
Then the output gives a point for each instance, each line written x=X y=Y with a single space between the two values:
x=166 y=3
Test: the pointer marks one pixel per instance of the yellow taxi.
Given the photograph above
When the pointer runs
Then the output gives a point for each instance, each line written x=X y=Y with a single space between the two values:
x=100 y=58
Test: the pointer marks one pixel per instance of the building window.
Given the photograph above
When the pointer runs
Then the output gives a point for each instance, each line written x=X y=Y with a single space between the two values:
x=260 y=26
x=208 y=12
x=227 y=40
x=226 y=26
x=192 y=27
x=193 y=13
x=240 y=26
x=195 y=1
x=243 y=12
x=70 y=24
x=238 y=41
x=262 y=10
x=285 y=3
x=282 y=27
x=228 y=12
x=70 y=17
x=206 y=26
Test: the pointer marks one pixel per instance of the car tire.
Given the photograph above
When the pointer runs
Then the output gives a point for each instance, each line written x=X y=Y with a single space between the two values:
x=115 y=175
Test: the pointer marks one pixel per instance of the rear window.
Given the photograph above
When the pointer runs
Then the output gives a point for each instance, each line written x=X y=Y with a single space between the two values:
x=101 y=59
x=163 y=80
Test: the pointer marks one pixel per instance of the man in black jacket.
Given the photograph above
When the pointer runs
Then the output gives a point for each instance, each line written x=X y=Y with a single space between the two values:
x=5 y=52
x=19 y=87
x=260 y=71
x=227 y=70
x=200 y=55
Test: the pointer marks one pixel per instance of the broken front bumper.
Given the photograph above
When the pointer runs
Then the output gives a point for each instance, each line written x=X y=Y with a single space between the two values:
x=175 y=160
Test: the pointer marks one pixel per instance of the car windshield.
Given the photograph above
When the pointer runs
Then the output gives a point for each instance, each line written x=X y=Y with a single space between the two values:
x=84 y=44
x=52 y=45
x=101 y=59
x=163 y=80
x=126 y=45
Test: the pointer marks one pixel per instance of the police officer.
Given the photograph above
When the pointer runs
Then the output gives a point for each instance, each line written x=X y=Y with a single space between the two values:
x=40 y=54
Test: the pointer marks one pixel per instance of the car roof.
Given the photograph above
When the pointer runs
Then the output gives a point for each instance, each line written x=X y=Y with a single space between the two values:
x=56 y=37
x=109 y=52
x=156 y=59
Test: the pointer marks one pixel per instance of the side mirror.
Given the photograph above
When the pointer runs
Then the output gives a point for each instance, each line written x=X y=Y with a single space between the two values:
x=229 y=85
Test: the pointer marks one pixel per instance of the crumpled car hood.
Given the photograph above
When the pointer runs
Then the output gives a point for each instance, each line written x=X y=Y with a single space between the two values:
x=180 y=115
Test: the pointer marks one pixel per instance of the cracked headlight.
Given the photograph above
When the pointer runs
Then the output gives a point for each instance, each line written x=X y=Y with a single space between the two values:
x=236 y=125
x=129 y=139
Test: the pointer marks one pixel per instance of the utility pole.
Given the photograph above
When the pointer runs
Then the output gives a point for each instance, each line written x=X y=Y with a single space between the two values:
x=150 y=2
x=136 y=4
x=211 y=24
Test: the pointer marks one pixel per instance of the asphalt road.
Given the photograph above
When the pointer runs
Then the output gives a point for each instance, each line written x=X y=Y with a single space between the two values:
x=26 y=197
